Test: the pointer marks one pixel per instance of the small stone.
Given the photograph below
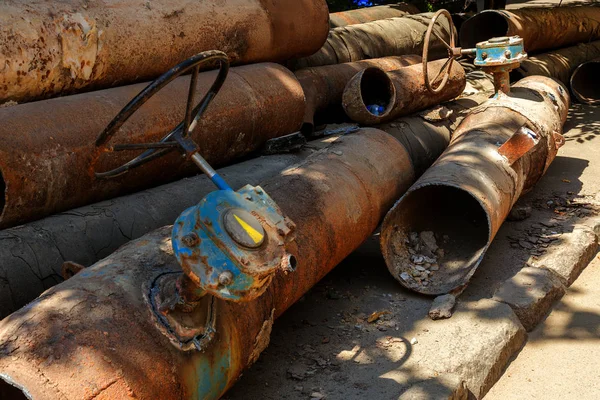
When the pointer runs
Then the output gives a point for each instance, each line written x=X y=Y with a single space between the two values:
x=298 y=388
x=414 y=341
x=427 y=265
x=417 y=259
x=435 y=267
x=425 y=283
x=415 y=272
x=442 y=307
x=414 y=238
x=404 y=276
x=519 y=213
x=526 y=245
x=337 y=153
x=428 y=239
x=429 y=260
x=420 y=268
x=317 y=395
x=439 y=253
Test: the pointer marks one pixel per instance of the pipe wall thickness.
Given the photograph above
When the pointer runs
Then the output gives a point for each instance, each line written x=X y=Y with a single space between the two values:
x=47 y=147
x=398 y=93
x=96 y=335
x=468 y=192
x=541 y=28
x=384 y=38
x=50 y=48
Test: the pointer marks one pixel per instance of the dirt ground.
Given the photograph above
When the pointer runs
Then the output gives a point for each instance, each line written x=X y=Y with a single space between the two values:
x=324 y=346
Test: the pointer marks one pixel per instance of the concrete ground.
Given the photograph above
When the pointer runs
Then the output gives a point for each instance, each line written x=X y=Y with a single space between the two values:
x=325 y=347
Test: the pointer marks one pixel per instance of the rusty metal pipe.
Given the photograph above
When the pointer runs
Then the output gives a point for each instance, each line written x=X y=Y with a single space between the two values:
x=398 y=93
x=32 y=254
x=368 y=14
x=498 y=152
x=63 y=47
x=559 y=64
x=46 y=147
x=585 y=82
x=324 y=86
x=384 y=38
x=96 y=336
x=541 y=28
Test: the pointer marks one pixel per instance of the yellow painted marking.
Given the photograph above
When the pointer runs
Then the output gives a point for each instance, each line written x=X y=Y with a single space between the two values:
x=253 y=233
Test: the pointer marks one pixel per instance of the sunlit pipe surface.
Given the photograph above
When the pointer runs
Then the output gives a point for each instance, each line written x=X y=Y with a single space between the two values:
x=398 y=93
x=324 y=86
x=47 y=147
x=541 y=28
x=466 y=195
x=384 y=38
x=585 y=82
x=368 y=14
x=559 y=64
x=51 y=48
x=32 y=254
x=95 y=335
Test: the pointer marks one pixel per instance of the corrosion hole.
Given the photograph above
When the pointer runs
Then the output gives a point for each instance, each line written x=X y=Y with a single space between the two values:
x=292 y=262
x=585 y=82
x=10 y=390
x=376 y=91
x=459 y=224
x=481 y=27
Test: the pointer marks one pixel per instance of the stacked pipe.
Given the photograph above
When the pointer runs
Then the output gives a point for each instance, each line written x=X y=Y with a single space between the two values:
x=362 y=15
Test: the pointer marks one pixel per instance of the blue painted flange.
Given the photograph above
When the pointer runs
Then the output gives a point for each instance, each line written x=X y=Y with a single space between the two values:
x=500 y=51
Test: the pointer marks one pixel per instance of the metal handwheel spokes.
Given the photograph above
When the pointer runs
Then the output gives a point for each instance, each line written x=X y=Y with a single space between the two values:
x=178 y=138
x=453 y=52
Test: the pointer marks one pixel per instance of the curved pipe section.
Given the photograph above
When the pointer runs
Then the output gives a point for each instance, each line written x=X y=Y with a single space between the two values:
x=374 y=96
x=63 y=47
x=498 y=152
x=541 y=28
x=47 y=147
x=585 y=82
x=368 y=14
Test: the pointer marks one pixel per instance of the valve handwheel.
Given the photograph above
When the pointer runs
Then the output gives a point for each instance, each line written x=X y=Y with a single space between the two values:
x=179 y=137
x=453 y=51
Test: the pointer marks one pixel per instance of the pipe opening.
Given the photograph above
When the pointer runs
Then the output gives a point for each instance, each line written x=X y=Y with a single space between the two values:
x=9 y=390
x=376 y=91
x=585 y=82
x=461 y=230
x=482 y=27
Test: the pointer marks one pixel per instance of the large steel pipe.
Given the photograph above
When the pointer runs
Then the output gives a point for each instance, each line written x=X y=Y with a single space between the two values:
x=324 y=86
x=541 y=28
x=585 y=82
x=435 y=236
x=388 y=37
x=559 y=64
x=58 y=47
x=46 y=147
x=31 y=255
x=374 y=96
x=368 y=14
x=95 y=335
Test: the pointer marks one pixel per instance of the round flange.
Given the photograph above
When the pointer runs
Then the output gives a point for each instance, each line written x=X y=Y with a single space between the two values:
x=244 y=228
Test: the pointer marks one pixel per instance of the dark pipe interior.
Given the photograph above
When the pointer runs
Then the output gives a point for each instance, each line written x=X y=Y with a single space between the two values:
x=376 y=88
x=10 y=392
x=449 y=211
x=2 y=193
x=586 y=81
x=482 y=27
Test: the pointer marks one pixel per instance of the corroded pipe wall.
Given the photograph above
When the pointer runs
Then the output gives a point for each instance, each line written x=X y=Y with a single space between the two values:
x=388 y=37
x=468 y=192
x=541 y=28
x=559 y=64
x=585 y=82
x=399 y=92
x=31 y=255
x=49 y=48
x=46 y=147
x=324 y=86
x=368 y=14
x=95 y=334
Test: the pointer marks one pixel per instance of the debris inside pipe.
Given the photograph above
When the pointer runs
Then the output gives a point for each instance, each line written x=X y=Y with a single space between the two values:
x=497 y=153
x=374 y=96
x=585 y=82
